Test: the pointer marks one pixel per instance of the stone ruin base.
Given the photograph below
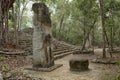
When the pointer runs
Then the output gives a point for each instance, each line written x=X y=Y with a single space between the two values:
x=84 y=52
x=78 y=64
x=114 y=51
x=105 y=60
x=45 y=69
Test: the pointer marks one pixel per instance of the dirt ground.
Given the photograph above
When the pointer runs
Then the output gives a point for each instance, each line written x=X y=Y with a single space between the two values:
x=96 y=71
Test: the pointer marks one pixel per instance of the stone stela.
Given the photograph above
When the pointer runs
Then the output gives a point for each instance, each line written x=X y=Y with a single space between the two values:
x=43 y=59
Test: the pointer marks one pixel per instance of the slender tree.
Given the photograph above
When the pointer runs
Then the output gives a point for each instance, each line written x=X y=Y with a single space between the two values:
x=103 y=26
x=5 y=5
x=1 y=23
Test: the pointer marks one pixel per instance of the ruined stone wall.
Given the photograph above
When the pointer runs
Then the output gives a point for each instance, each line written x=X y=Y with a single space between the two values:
x=25 y=40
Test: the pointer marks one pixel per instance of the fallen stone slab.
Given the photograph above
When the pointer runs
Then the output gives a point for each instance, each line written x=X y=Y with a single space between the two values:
x=13 y=53
x=104 y=61
x=45 y=69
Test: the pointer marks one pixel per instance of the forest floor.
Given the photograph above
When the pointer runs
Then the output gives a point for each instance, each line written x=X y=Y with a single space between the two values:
x=96 y=71
x=13 y=66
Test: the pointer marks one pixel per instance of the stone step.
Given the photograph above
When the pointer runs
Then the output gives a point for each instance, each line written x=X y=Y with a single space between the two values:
x=69 y=47
x=60 y=52
x=64 y=54
x=63 y=51
x=61 y=55
x=64 y=47
x=60 y=49
x=62 y=43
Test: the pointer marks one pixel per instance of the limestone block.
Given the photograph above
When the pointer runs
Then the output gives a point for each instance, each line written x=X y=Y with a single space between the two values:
x=79 y=64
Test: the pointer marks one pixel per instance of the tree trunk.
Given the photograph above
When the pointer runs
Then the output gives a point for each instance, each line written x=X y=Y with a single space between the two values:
x=19 y=18
x=87 y=35
x=6 y=7
x=15 y=40
x=109 y=47
x=111 y=38
x=103 y=26
x=6 y=28
x=4 y=12
x=21 y=14
x=93 y=38
x=61 y=24
x=84 y=35
x=1 y=23
x=111 y=33
x=42 y=54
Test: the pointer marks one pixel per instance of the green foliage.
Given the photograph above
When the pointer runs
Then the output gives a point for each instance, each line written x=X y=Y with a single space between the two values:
x=10 y=23
x=5 y=68
x=15 y=72
x=118 y=77
x=78 y=14
x=118 y=63
x=2 y=58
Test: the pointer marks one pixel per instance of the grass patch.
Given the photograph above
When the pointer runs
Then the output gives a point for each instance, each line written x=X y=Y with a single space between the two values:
x=2 y=58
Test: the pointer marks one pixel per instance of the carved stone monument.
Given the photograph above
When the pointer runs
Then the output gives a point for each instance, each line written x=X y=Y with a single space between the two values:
x=42 y=36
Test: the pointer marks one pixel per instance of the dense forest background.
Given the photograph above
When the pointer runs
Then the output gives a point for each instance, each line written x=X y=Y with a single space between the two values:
x=79 y=27
x=74 y=21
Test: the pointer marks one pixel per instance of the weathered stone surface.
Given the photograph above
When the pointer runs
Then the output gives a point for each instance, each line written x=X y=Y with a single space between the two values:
x=1 y=77
x=78 y=64
x=45 y=69
x=84 y=52
x=105 y=60
x=42 y=37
